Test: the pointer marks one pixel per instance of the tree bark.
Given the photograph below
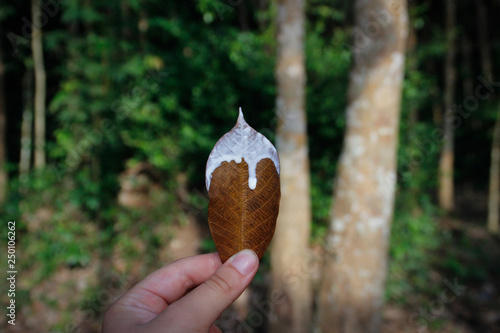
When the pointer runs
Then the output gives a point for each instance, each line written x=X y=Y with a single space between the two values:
x=26 y=124
x=484 y=40
x=487 y=69
x=40 y=85
x=292 y=313
x=351 y=295
x=3 y=127
x=494 y=195
x=446 y=162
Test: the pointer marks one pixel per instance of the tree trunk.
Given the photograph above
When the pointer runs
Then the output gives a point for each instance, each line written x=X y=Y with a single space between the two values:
x=292 y=313
x=446 y=196
x=487 y=69
x=352 y=291
x=494 y=196
x=484 y=40
x=435 y=94
x=468 y=81
x=40 y=85
x=3 y=127
x=27 y=124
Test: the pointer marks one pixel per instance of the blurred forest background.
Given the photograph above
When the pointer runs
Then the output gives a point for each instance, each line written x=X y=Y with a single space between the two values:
x=109 y=109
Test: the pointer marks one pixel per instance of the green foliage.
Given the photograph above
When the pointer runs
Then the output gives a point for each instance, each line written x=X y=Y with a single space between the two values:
x=327 y=69
x=414 y=240
x=415 y=235
x=58 y=233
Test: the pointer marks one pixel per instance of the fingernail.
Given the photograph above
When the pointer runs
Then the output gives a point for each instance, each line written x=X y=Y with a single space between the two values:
x=244 y=261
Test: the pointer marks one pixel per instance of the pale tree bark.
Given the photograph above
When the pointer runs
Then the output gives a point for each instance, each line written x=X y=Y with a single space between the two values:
x=26 y=124
x=292 y=312
x=40 y=85
x=446 y=161
x=494 y=196
x=487 y=69
x=351 y=295
x=3 y=127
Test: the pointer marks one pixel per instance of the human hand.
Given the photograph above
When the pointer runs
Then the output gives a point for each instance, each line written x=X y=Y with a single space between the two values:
x=162 y=301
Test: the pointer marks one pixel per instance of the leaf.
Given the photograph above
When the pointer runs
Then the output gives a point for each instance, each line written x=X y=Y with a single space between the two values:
x=243 y=184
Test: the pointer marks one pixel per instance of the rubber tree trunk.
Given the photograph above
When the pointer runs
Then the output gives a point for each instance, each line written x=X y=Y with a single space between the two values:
x=446 y=162
x=292 y=312
x=494 y=196
x=487 y=69
x=26 y=124
x=40 y=85
x=351 y=294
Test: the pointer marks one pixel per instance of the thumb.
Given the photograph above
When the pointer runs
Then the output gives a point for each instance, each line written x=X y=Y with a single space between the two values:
x=201 y=307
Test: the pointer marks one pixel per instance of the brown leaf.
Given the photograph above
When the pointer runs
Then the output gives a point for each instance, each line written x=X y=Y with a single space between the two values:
x=244 y=189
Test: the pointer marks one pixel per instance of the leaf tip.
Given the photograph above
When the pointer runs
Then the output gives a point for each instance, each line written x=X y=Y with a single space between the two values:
x=240 y=116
